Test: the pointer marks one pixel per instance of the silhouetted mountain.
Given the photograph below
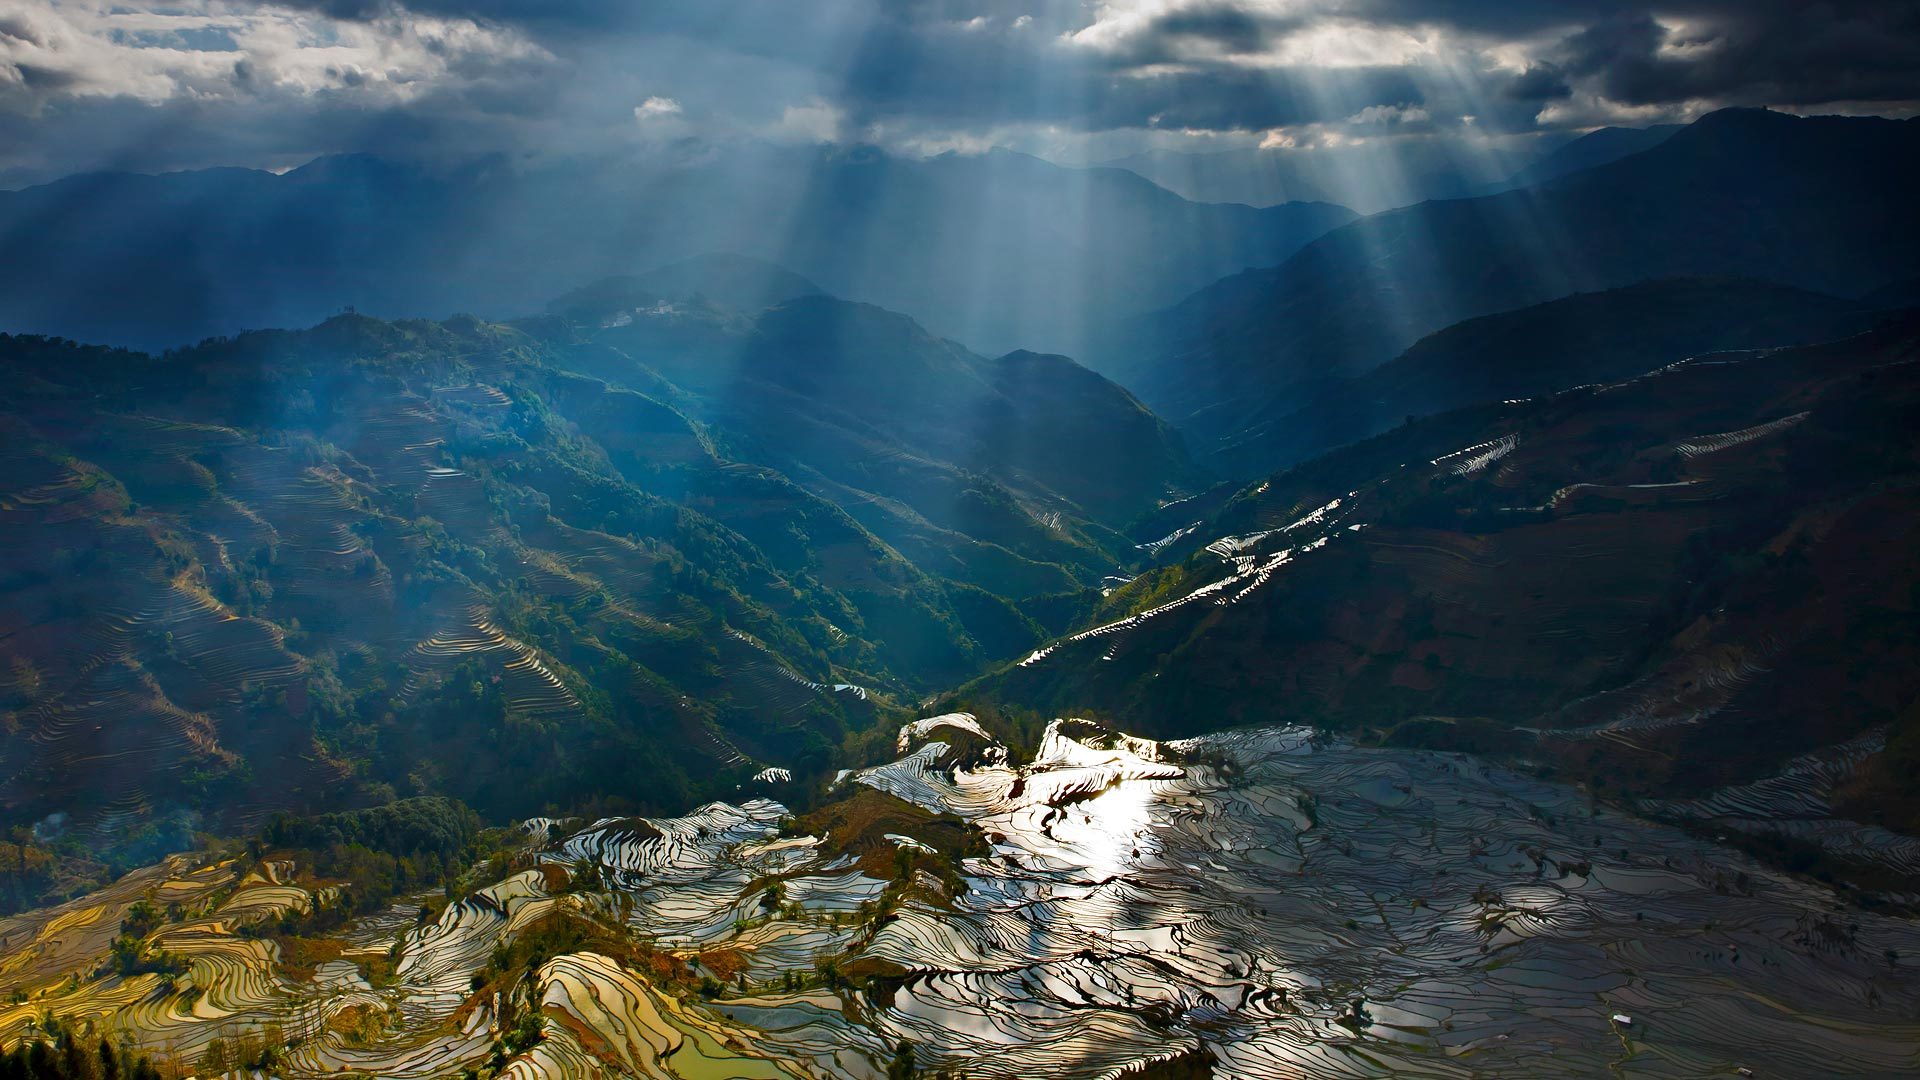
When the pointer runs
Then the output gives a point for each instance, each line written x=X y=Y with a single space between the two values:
x=1000 y=249
x=1585 y=338
x=1595 y=148
x=1900 y=294
x=1370 y=176
x=1816 y=203
x=1385 y=173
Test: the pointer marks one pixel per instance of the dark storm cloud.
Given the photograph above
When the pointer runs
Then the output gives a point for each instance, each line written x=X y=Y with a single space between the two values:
x=922 y=69
x=1838 y=50
x=1779 y=54
x=897 y=73
x=1539 y=82
x=1232 y=29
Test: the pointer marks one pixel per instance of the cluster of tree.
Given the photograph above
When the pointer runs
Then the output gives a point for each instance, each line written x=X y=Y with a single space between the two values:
x=69 y=1057
x=27 y=869
x=380 y=852
x=253 y=1049
x=429 y=825
x=130 y=956
x=37 y=870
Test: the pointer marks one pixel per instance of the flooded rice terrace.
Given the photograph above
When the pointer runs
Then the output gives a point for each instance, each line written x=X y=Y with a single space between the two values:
x=1303 y=907
x=1290 y=906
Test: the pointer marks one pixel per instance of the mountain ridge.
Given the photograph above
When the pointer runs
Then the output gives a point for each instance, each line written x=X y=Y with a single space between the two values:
x=1808 y=202
x=967 y=244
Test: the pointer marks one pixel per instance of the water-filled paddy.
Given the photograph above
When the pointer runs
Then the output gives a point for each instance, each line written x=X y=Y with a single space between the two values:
x=1311 y=908
x=1296 y=907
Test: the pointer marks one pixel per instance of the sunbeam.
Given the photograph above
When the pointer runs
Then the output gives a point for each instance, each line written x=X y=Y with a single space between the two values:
x=950 y=539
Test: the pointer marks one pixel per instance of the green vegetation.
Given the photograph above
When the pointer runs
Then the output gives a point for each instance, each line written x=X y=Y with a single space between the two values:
x=65 y=1055
x=513 y=963
x=250 y=1049
x=130 y=956
x=411 y=828
x=859 y=823
x=517 y=568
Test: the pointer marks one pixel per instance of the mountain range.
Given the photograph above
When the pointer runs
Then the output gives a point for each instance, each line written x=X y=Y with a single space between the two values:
x=1000 y=250
x=1604 y=473
x=1812 y=203
x=1382 y=174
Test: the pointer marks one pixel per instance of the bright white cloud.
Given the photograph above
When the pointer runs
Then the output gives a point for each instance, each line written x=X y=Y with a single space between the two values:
x=1283 y=33
x=815 y=121
x=179 y=83
x=1389 y=114
x=215 y=50
x=655 y=107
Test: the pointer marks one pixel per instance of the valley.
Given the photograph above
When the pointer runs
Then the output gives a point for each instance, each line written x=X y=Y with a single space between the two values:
x=452 y=547
x=1563 y=581
x=1400 y=889
x=962 y=541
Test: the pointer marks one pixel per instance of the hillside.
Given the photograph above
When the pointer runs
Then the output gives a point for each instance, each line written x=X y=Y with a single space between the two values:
x=730 y=282
x=290 y=570
x=1659 y=587
x=871 y=412
x=1579 y=339
x=1814 y=203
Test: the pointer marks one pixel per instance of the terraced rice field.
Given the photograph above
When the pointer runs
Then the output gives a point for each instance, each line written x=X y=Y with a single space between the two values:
x=1294 y=905
x=1331 y=911
x=1246 y=572
x=1797 y=801
x=530 y=687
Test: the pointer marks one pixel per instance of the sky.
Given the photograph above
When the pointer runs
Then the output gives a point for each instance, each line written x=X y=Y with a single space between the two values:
x=146 y=86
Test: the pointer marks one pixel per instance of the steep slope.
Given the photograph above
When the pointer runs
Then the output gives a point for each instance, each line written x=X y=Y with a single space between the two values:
x=1584 y=338
x=1004 y=473
x=981 y=248
x=1668 y=586
x=521 y=567
x=1816 y=203
x=295 y=569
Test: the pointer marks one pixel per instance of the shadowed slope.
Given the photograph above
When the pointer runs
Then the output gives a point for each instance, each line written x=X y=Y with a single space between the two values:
x=1816 y=203
x=1662 y=585
x=1585 y=338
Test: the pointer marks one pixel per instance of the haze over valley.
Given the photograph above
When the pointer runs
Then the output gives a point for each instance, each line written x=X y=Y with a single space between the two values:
x=976 y=539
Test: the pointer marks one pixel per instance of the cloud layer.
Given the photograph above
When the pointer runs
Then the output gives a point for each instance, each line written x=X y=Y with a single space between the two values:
x=87 y=84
